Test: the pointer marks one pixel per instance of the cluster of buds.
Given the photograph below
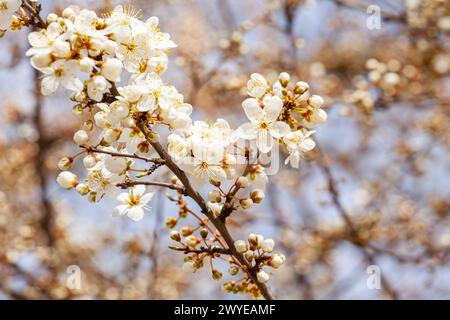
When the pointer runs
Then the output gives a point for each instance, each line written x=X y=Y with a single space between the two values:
x=257 y=252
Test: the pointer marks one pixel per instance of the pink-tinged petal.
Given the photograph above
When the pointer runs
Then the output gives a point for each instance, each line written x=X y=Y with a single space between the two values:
x=247 y=131
x=135 y=213
x=279 y=129
x=272 y=107
x=252 y=109
x=264 y=141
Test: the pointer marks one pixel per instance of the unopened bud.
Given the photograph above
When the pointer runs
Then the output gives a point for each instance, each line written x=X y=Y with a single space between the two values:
x=301 y=87
x=233 y=270
x=171 y=222
x=204 y=233
x=214 y=196
x=246 y=203
x=186 y=231
x=82 y=189
x=242 y=182
x=216 y=274
x=175 y=235
x=65 y=163
x=241 y=246
x=257 y=195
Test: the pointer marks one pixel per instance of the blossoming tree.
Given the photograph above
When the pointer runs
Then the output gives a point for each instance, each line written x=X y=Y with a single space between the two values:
x=135 y=124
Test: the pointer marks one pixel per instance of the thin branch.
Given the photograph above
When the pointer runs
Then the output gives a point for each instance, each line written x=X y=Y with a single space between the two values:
x=124 y=155
x=211 y=251
x=220 y=226
x=128 y=184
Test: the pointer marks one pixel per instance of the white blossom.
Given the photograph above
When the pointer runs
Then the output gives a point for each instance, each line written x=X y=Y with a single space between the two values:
x=132 y=203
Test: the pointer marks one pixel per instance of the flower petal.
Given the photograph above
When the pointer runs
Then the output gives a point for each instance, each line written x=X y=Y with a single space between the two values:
x=279 y=129
x=264 y=141
x=247 y=131
x=252 y=109
x=272 y=107
x=135 y=213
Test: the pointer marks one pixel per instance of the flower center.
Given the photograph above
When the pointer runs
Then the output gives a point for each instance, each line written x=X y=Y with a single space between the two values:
x=263 y=125
x=3 y=5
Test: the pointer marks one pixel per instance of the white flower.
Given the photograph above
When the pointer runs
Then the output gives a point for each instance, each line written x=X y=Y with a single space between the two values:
x=102 y=182
x=61 y=72
x=277 y=260
x=297 y=144
x=49 y=41
x=215 y=207
x=116 y=165
x=133 y=203
x=89 y=161
x=97 y=87
x=7 y=8
x=241 y=246
x=81 y=137
x=318 y=116
x=263 y=125
x=268 y=245
x=257 y=86
x=67 y=180
x=262 y=276
x=112 y=69
x=205 y=164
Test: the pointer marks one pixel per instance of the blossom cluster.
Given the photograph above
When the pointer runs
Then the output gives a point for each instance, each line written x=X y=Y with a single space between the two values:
x=112 y=66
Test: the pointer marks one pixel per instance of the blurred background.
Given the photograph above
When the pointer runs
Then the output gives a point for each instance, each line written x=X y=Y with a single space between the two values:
x=375 y=192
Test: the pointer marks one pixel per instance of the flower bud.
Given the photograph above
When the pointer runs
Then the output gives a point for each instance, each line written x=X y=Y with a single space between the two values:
x=204 y=233
x=268 y=245
x=262 y=276
x=86 y=65
x=301 y=87
x=233 y=270
x=192 y=241
x=112 y=135
x=216 y=274
x=255 y=241
x=189 y=266
x=186 y=231
x=52 y=18
x=315 y=101
x=216 y=208
x=257 y=195
x=242 y=182
x=241 y=246
x=88 y=125
x=67 y=180
x=65 y=163
x=89 y=161
x=284 y=78
x=171 y=222
x=112 y=69
x=68 y=13
x=78 y=110
x=80 y=137
x=80 y=96
x=246 y=203
x=175 y=235
x=214 y=196
x=215 y=183
x=249 y=255
x=92 y=197
x=277 y=260
x=82 y=189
